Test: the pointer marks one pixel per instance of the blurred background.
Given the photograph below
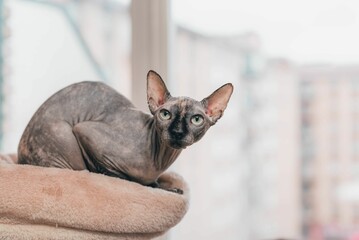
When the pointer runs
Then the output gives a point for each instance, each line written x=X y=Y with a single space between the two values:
x=284 y=159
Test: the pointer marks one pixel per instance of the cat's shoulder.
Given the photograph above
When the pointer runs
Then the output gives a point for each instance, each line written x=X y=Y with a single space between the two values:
x=90 y=84
x=88 y=87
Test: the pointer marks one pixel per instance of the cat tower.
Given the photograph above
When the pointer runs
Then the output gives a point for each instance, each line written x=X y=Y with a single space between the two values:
x=51 y=203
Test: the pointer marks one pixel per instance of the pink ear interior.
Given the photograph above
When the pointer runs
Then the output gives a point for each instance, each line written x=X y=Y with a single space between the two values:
x=215 y=108
x=157 y=92
x=217 y=101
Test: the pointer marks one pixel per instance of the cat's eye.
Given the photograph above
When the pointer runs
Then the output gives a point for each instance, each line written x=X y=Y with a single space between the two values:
x=197 y=120
x=165 y=114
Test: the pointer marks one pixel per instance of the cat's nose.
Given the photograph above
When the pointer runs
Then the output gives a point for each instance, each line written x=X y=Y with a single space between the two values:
x=178 y=134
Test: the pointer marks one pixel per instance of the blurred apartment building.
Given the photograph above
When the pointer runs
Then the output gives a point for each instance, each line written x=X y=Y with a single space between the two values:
x=272 y=149
x=330 y=151
x=244 y=177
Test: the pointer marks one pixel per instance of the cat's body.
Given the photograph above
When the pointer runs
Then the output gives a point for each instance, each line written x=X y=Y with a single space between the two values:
x=90 y=126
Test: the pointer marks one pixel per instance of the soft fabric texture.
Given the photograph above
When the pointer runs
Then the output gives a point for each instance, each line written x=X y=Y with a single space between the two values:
x=51 y=203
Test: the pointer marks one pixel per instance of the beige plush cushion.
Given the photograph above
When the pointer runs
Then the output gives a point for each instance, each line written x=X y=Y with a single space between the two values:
x=51 y=203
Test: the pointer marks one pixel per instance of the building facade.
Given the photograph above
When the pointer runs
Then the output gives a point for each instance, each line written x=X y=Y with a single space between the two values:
x=329 y=126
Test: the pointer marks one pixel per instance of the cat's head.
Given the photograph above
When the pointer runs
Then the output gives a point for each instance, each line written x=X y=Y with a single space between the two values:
x=182 y=121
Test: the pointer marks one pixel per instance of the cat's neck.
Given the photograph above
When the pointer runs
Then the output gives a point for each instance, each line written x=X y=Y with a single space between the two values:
x=162 y=155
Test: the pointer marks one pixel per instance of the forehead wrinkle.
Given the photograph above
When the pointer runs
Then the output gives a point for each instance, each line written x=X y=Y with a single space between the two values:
x=183 y=105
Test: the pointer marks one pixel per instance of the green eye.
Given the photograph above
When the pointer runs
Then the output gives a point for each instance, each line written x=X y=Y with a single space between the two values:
x=197 y=120
x=165 y=115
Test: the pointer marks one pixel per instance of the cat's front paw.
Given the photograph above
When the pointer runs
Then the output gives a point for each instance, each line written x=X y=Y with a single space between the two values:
x=154 y=185
x=174 y=190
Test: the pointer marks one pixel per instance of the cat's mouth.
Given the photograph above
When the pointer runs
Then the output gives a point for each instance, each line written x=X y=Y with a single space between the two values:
x=178 y=144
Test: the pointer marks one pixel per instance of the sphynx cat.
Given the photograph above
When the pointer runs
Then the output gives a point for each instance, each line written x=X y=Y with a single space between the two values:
x=90 y=126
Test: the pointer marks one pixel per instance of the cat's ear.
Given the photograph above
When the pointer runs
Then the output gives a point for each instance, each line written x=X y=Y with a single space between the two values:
x=216 y=103
x=157 y=93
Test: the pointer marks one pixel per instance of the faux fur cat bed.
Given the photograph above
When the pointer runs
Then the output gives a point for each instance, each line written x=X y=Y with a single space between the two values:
x=51 y=203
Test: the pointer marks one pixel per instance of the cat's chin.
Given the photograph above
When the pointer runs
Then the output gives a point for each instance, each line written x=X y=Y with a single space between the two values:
x=177 y=145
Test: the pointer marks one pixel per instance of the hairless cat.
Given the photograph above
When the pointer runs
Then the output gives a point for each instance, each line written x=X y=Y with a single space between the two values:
x=90 y=126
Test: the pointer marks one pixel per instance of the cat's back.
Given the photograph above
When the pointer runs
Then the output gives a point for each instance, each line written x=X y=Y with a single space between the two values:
x=83 y=101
